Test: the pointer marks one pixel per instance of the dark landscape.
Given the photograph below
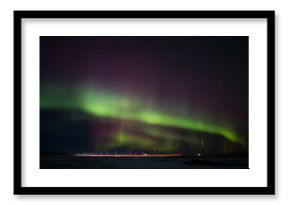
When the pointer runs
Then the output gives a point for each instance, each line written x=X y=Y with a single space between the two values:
x=184 y=162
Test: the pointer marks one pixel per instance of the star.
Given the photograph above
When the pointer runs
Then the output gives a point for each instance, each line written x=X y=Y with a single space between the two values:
x=44 y=75
x=218 y=66
x=172 y=54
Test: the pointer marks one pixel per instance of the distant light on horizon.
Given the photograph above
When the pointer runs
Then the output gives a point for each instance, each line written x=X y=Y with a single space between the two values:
x=127 y=155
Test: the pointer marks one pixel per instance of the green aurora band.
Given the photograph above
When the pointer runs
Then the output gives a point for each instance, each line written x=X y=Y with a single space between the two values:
x=103 y=104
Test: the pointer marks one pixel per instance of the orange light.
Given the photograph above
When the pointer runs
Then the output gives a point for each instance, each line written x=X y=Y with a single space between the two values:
x=128 y=155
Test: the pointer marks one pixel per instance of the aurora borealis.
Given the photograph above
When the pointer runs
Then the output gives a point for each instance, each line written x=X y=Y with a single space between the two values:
x=144 y=94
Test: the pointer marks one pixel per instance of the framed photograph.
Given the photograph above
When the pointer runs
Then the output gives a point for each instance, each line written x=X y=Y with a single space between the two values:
x=144 y=102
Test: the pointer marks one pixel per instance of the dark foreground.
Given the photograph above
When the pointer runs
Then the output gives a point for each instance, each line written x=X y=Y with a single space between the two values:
x=183 y=162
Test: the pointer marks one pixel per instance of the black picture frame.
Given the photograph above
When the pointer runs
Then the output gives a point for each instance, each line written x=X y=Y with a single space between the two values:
x=269 y=189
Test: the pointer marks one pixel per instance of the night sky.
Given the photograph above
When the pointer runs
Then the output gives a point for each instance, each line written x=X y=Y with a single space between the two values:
x=144 y=93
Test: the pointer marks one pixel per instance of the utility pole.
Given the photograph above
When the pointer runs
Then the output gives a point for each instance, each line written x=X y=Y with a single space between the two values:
x=202 y=145
x=225 y=148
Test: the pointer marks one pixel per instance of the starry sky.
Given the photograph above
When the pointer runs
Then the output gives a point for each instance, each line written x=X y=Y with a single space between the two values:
x=121 y=93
